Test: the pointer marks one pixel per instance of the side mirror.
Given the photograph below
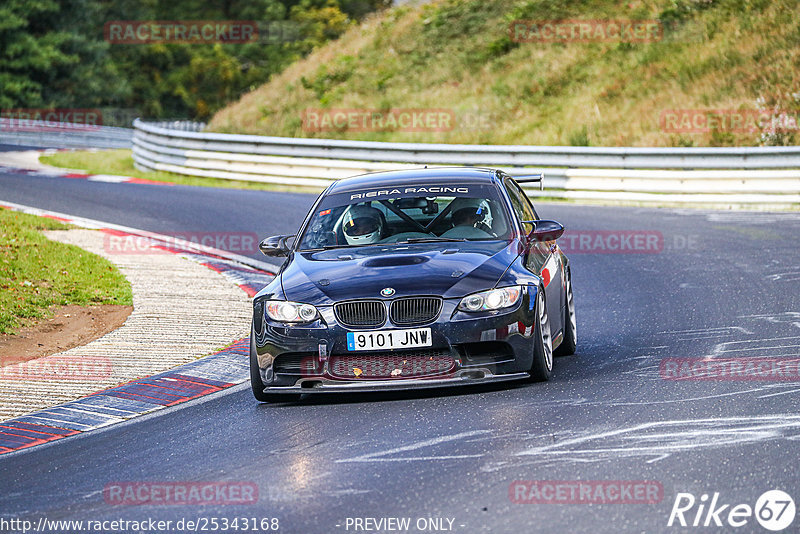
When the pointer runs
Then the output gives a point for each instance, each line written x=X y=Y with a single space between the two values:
x=544 y=230
x=275 y=246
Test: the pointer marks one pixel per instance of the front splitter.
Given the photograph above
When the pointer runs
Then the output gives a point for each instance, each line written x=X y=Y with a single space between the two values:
x=325 y=385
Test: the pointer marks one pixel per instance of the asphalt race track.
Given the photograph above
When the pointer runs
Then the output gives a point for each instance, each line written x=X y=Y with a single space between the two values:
x=171 y=210
x=718 y=285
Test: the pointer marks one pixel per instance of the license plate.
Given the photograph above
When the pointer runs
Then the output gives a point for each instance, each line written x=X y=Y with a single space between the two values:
x=389 y=339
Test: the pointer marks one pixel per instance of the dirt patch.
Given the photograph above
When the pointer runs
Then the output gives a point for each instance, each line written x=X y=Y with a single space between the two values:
x=70 y=326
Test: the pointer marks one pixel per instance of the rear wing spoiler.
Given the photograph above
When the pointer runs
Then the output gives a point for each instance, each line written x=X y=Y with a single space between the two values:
x=531 y=178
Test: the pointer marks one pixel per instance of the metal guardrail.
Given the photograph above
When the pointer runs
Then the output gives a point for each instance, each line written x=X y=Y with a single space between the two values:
x=65 y=135
x=495 y=155
x=180 y=125
x=709 y=175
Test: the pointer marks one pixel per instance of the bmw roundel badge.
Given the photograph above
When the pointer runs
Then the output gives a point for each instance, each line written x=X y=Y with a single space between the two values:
x=387 y=292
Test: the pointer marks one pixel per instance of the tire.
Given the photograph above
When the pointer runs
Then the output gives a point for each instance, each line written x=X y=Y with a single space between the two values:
x=570 y=340
x=255 y=379
x=542 y=365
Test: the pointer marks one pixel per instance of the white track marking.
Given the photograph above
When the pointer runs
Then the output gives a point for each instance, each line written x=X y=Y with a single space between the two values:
x=752 y=218
x=721 y=349
x=662 y=438
x=687 y=399
x=780 y=393
x=704 y=330
x=379 y=456
x=791 y=276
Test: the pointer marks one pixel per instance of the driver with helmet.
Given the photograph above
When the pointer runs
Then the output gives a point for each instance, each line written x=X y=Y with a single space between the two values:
x=362 y=225
x=467 y=211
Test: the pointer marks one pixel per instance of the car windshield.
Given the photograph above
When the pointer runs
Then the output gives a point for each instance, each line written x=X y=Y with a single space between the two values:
x=407 y=215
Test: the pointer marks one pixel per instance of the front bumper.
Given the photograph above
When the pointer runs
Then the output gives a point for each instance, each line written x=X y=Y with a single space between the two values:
x=484 y=348
x=461 y=378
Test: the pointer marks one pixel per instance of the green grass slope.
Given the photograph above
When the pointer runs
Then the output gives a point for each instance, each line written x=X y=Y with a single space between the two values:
x=36 y=273
x=458 y=55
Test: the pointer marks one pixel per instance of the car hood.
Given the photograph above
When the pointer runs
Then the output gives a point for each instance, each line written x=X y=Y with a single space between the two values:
x=322 y=278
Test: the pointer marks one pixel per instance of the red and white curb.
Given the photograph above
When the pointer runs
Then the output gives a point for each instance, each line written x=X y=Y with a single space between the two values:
x=186 y=382
x=26 y=162
x=109 y=178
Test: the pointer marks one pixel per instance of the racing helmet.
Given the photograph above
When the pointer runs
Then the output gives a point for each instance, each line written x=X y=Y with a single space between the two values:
x=468 y=211
x=362 y=225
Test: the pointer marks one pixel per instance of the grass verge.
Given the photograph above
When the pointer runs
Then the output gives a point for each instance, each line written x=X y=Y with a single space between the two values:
x=120 y=162
x=36 y=273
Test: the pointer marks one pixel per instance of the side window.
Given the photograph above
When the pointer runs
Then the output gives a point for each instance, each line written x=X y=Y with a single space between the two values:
x=515 y=202
x=522 y=206
x=538 y=252
x=529 y=204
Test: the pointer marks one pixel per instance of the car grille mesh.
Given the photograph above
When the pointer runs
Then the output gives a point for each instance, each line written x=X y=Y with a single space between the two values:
x=415 y=310
x=392 y=365
x=296 y=363
x=360 y=313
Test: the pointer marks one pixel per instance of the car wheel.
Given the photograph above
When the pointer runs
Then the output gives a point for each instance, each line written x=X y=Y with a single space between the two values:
x=542 y=342
x=255 y=379
x=570 y=341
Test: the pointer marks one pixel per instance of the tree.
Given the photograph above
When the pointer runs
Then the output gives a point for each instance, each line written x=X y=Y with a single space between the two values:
x=48 y=57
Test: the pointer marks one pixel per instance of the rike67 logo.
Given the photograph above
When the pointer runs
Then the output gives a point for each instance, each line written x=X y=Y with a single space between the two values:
x=774 y=510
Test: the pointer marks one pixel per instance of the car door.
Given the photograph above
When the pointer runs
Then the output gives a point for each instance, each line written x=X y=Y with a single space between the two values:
x=541 y=257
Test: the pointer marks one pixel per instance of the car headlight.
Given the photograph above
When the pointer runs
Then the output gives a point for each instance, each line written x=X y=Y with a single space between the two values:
x=290 y=312
x=494 y=299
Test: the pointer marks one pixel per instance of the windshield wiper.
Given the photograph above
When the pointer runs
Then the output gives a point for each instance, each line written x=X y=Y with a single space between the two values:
x=431 y=239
